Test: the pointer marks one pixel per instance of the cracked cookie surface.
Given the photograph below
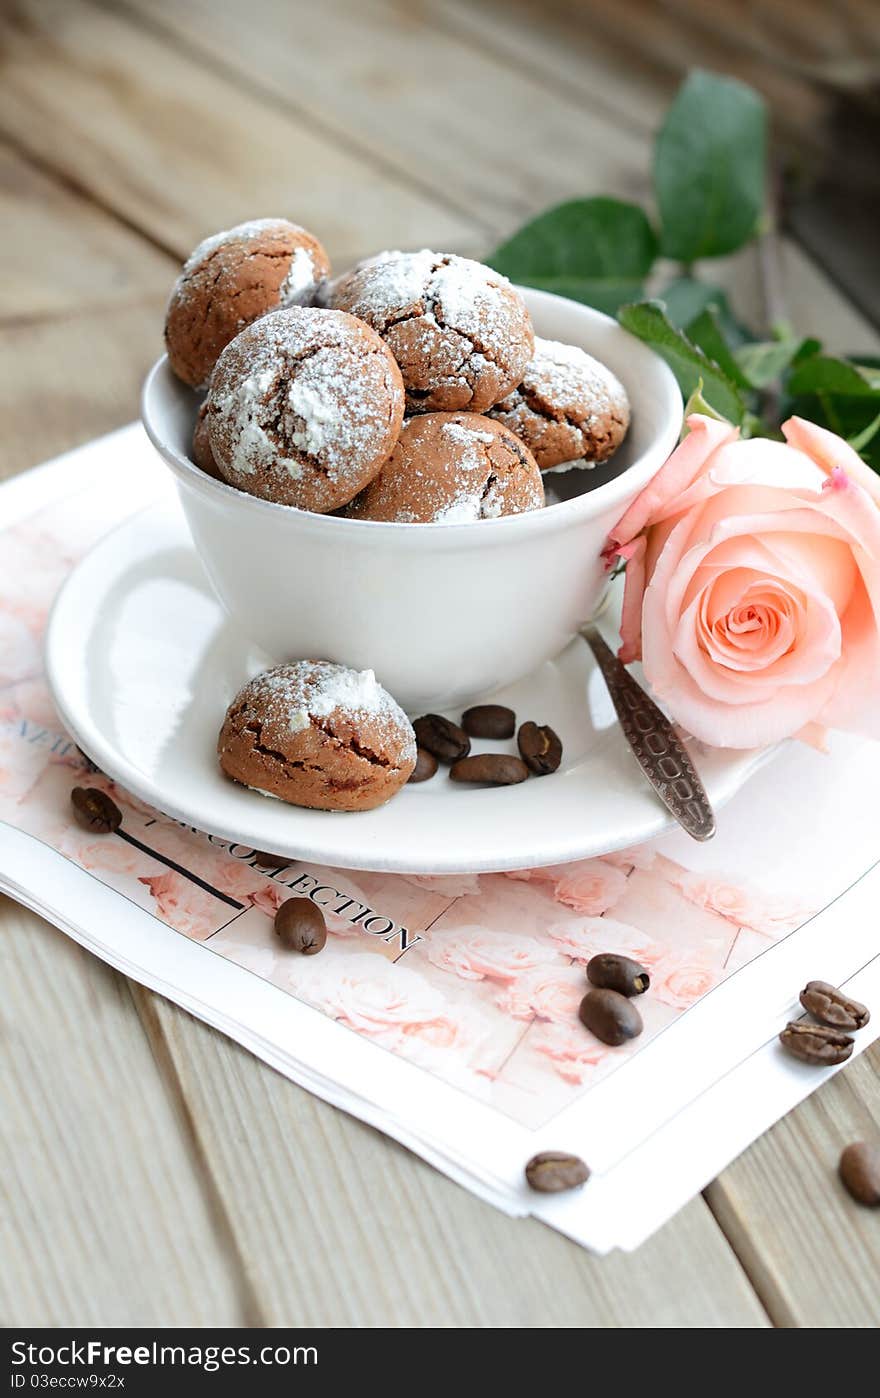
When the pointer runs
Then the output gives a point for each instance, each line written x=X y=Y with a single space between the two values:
x=452 y=468
x=230 y=280
x=568 y=407
x=459 y=331
x=304 y=407
x=319 y=735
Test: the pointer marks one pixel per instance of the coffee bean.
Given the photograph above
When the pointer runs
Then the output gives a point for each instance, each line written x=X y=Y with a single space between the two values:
x=445 y=740
x=814 y=1043
x=610 y=1016
x=833 y=1007
x=489 y=721
x=608 y=971
x=300 y=925
x=552 y=1171
x=94 y=810
x=489 y=769
x=540 y=748
x=426 y=766
x=860 y=1171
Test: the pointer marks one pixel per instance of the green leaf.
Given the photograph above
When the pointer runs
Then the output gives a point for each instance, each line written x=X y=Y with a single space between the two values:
x=824 y=374
x=710 y=167
x=808 y=348
x=707 y=334
x=697 y=404
x=687 y=297
x=598 y=251
x=763 y=362
x=863 y=439
x=648 y=320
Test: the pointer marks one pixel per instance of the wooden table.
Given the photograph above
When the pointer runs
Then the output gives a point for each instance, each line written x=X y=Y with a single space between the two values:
x=157 y=1174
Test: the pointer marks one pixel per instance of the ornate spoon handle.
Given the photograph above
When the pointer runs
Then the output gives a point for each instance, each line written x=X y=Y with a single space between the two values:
x=659 y=752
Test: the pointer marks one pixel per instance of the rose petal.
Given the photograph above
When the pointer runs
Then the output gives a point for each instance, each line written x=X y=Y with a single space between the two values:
x=828 y=450
x=682 y=468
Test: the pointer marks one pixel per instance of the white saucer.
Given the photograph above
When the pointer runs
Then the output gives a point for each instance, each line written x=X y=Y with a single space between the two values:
x=143 y=661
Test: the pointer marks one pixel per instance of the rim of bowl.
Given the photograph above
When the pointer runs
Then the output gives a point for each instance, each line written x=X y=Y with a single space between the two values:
x=585 y=505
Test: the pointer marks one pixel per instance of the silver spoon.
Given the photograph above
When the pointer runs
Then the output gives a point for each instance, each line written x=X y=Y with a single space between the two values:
x=658 y=750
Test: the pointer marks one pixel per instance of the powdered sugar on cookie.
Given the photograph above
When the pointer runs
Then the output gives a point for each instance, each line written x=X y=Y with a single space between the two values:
x=568 y=407
x=304 y=407
x=459 y=331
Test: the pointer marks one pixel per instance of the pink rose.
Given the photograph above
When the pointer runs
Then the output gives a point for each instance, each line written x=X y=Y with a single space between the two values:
x=742 y=904
x=573 y=1053
x=544 y=994
x=753 y=585
x=183 y=905
x=377 y=998
x=636 y=857
x=476 y=954
x=682 y=984
x=581 y=941
x=591 y=887
x=548 y=873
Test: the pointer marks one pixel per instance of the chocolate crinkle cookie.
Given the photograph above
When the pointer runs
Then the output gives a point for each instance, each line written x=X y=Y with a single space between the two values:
x=452 y=468
x=230 y=280
x=459 y=331
x=304 y=407
x=202 y=454
x=568 y=407
x=319 y=735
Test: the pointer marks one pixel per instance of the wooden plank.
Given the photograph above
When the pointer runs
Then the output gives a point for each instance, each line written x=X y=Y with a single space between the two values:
x=645 y=49
x=105 y=1219
x=67 y=380
x=47 y=272
x=336 y=1224
x=811 y=1252
x=497 y=61
x=421 y=95
x=80 y=316
x=179 y=152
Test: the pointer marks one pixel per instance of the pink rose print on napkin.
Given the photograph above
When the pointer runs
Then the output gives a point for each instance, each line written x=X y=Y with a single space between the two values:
x=20 y=766
x=573 y=1053
x=548 y=873
x=239 y=880
x=547 y=994
x=592 y=887
x=447 y=885
x=99 y=853
x=743 y=904
x=34 y=702
x=581 y=941
x=374 y=997
x=475 y=954
x=681 y=983
x=637 y=857
x=19 y=650
x=182 y=904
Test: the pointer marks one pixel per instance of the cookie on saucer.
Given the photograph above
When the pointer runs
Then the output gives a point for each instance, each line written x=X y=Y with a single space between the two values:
x=318 y=735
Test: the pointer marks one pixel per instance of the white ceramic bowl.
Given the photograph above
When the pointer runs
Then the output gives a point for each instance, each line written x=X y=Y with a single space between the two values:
x=443 y=613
